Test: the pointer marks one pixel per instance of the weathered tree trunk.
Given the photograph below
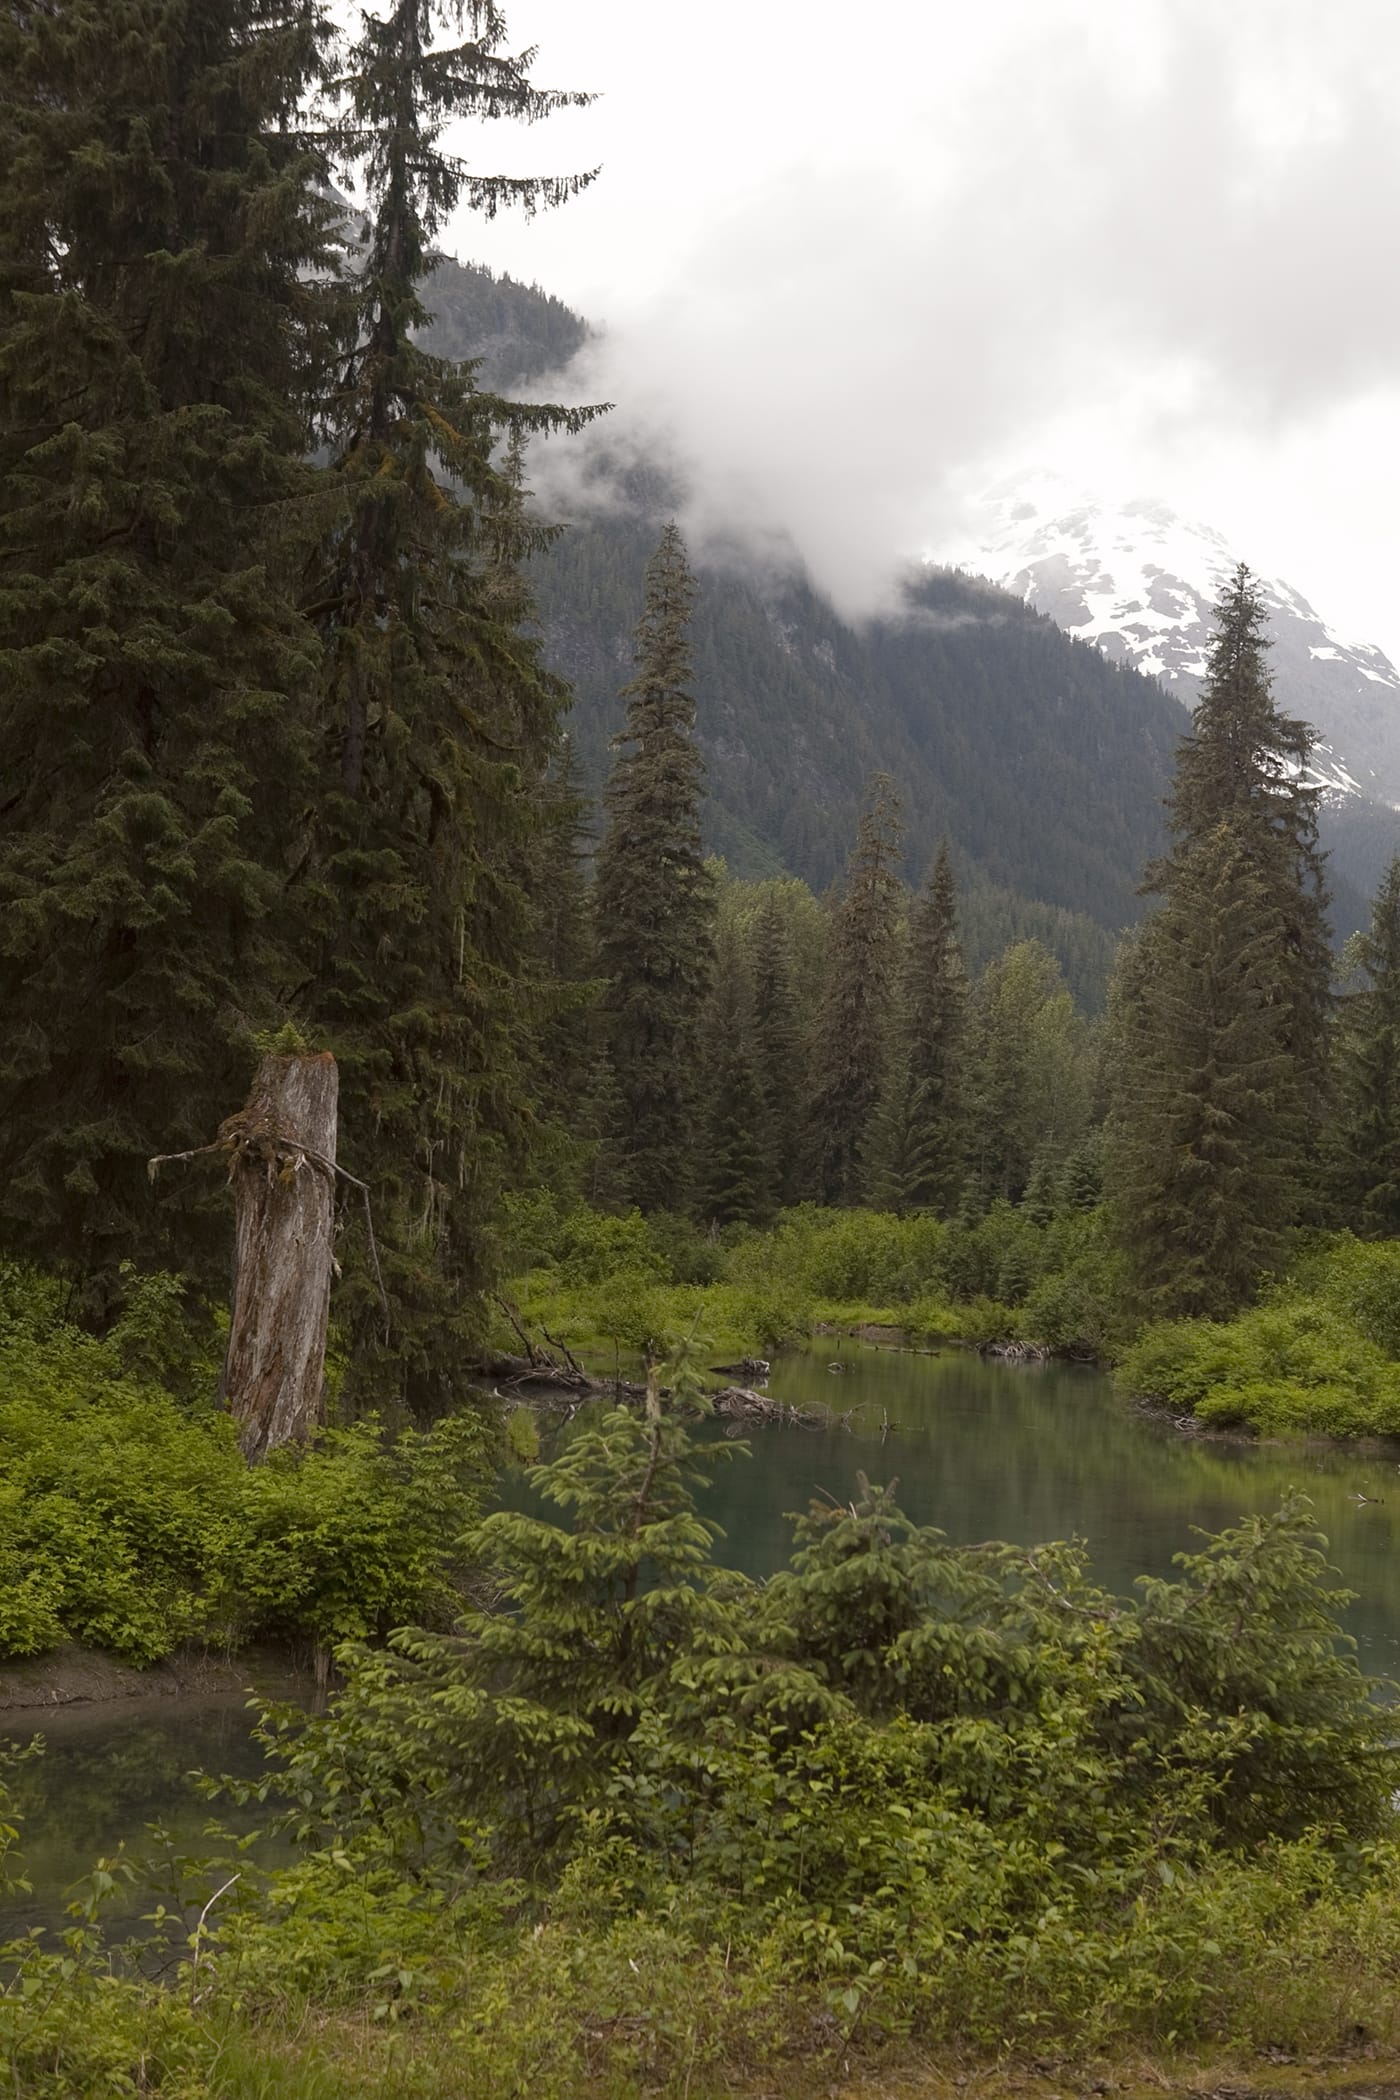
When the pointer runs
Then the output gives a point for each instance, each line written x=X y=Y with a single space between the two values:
x=282 y=1165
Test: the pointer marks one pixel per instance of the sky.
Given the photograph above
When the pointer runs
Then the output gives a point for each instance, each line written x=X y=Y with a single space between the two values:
x=851 y=266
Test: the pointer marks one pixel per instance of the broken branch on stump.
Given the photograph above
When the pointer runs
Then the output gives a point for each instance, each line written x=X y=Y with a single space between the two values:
x=280 y=1148
x=226 y=1144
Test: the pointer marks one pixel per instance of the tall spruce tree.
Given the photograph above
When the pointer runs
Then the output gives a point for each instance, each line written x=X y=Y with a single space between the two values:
x=567 y=1045
x=922 y=1146
x=436 y=717
x=1028 y=1079
x=1220 y=1014
x=854 y=1022
x=654 y=900
x=161 y=278
x=733 y=1173
x=1364 y=1134
x=778 y=1051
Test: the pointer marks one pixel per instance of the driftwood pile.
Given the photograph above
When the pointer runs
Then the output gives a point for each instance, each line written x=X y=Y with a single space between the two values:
x=1015 y=1352
x=548 y=1374
x=740 y=1403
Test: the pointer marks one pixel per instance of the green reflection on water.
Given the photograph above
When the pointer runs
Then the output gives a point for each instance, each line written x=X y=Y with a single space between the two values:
x=990 y=1450
x=110 y=1771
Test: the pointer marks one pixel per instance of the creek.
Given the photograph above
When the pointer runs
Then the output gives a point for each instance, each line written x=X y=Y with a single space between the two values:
x=981 y=1449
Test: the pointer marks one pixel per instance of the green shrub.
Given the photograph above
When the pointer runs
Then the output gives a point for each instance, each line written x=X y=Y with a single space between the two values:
x=860 y=1256
x=131 y=1522
x=577 y=1245
x=1057 y=1281
x=1292 y=1365
x=1079 y=1304
x=1360 y=1280
x=640 y=1826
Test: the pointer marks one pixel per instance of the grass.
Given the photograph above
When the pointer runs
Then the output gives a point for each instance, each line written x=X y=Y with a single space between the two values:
x=298 y=2053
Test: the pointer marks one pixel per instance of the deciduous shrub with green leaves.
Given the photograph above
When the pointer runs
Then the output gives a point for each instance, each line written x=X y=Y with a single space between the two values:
x=640 y=1825
x=1052 y=1279
x=1317 y=1356
x=128 y=1519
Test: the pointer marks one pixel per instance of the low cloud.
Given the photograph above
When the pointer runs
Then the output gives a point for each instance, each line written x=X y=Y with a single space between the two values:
x=1183 y=232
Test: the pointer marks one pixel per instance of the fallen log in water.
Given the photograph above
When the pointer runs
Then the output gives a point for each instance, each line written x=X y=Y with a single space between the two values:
x=1015 y=1352
x=552 y=1384
x=550 y=1375
x=742 y=1404
x=543 y=1377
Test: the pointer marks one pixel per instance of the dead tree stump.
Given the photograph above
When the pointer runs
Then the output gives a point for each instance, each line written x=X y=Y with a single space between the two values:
x=281 y=1151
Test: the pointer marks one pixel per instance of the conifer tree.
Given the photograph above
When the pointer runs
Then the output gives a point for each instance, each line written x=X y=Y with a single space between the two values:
x=654 y=900
x=161 y=263
x=1220 y=1012
x=854 y=1021
x=778 y=1058
x=1364 y=1147
x=1245 y=765
x=1081 y=1178
x=1205 y=1176
x=921 y=1149
x=734 y=1168
x=1028 y=1080
x=437 y=719
x=566 y=1043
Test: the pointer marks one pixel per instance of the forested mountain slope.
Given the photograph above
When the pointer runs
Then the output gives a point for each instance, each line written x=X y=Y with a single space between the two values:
x=515 y=330
x=1021 y=745
x=1044 y=762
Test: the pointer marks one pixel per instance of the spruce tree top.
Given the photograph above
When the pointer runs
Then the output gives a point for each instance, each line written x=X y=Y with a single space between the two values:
x=654 y=793
x=1242 y=753
x=662 y=649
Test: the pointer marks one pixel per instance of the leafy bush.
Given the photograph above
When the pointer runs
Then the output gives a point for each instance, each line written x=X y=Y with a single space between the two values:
x=1292 y=1365
x=639 y=1823
x=1078 y=1306
x=132 y=1523
x=1054 y=1279
x=847 y=1254
x=577 y=1245
x=1360 y=1280
x=1319 y=1355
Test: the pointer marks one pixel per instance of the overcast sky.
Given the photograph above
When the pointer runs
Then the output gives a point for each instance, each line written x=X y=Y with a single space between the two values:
x=858 y=262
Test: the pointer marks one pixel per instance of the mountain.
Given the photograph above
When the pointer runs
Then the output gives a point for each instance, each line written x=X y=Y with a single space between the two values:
x=1043 y=763
x=515 y=331
x=1140 y=581
x=1040 y=758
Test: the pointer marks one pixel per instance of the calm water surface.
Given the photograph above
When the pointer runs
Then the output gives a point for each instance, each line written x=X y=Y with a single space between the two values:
x=110 y=1772
x=1030 y=1453
x=980 y=1449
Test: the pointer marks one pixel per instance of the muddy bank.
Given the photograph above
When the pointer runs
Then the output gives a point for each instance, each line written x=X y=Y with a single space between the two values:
x=75 y=1676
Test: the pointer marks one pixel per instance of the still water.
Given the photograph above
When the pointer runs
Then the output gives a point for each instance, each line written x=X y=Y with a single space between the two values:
x=980 y=1449
x=110 y=1773
x=1035 y=1452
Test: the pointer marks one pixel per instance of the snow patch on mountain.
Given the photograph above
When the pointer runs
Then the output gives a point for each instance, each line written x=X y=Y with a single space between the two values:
x=1141 y=582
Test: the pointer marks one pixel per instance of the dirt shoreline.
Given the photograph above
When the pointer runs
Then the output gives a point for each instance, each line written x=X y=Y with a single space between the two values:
x=76 y=1676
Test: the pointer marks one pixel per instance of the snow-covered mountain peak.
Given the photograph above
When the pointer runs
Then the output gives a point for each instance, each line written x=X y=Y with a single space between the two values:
x=1141 y=582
